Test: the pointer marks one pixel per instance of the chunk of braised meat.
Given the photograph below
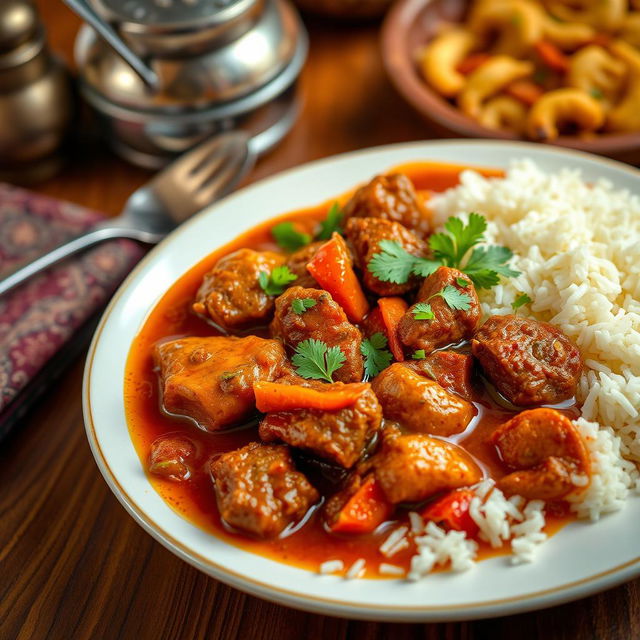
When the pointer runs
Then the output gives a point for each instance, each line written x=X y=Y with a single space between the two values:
x=448 y=325
x=450 y=369
x=297 y=263
x=231 y=295
x=530 y=362
x=340 y=436
x=392 y=197
x=410 y=468
x=365 y=235
x=259 y=490
x=419 y=403
x=548 y=453
x=325 y=321
x=210 y=380
x=170 y=456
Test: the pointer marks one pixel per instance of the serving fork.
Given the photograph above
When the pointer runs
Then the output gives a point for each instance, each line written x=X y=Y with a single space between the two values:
x=185 y=187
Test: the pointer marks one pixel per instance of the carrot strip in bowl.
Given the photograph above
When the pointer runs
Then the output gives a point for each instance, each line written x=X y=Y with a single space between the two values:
x=392 y=309
x=331 y=267
x=275 y=396
x=552 y=56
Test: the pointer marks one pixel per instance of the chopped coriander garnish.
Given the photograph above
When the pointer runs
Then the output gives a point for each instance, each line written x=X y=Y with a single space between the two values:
x=331 y=223
x=376 y=356
x=423 y=311
x=288 y=237
x=484 y=266
x=300 y=305
x=419 y=354
x=314 y=359
x=520 y=301
x=596 y=93
x=454 y=243
x=274 y=283
x=455 y=299
x=395 y=264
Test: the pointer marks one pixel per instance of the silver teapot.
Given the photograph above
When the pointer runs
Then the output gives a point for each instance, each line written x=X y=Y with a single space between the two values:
x=165 y=74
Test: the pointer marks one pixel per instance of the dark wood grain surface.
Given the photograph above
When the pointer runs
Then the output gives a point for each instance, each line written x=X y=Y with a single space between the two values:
x=73 y=564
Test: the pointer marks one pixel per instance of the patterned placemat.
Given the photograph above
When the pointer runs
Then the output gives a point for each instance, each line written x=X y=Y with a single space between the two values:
x=43 y=321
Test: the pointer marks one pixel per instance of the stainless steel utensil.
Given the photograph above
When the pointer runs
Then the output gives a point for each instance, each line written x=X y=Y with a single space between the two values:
x=185 y=187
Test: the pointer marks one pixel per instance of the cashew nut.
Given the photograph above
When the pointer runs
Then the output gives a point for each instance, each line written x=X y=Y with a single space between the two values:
x=440 y=58
x=630 y=31
x=597 y=72
x=568 y=36
x=560 y=107
x=625 y=116
x=628 y=54
x=517 y=25
x=489 y=79
x=504 y=113
x=605 y=15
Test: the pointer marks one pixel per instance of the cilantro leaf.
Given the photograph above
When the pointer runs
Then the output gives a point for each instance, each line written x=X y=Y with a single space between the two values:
x=486 y=263
x=424 y=267
x=455 y=299
x=274 y=283
x=596 y=93
x=392 y=264
x=315 y=360
x=331 y=223
x=419 y=354
x=454 y=245
x=300 y=305
x=396 y=264
x=451 y=247
x=376 y=356
x=520 y=301
x=288 y=237
x=423 y=311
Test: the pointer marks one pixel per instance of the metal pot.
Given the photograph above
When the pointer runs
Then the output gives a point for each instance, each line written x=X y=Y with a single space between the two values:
x=164 y=74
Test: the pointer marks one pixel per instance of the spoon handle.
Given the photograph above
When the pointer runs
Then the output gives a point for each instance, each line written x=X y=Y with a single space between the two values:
x=70 y=248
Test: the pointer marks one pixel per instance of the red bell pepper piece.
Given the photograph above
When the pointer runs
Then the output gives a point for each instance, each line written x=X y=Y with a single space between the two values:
x=452 y=512
x=364 y=511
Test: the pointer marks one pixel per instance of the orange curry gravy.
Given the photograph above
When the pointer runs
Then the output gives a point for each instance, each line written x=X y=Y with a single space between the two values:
x=309 y=544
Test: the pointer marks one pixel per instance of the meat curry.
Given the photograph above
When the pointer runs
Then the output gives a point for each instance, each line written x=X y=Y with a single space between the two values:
x=305 y=387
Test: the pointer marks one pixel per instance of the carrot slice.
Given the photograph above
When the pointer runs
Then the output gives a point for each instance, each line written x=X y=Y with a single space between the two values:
x=274 y=396
x=452 y=511
x=332 y=269
x=392 y=309
x=472 y=62
x=552 y=56
x=524 y=90
x=374 y=323
x=364 y=511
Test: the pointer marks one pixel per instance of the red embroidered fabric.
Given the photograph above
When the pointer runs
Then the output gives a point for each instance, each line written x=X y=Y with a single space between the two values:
x=40 y=317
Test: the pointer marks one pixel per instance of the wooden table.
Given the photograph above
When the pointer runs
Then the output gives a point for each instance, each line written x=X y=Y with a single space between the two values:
x=73 y=564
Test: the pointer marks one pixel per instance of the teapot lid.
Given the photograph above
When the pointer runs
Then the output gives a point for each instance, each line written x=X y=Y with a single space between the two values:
x=170 y=14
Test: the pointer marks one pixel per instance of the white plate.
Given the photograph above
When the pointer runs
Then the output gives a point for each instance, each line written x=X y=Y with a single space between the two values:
x=580 y=560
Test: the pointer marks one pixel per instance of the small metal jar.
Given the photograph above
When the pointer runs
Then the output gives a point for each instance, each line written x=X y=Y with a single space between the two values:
x=35 y=97
x=165 y=74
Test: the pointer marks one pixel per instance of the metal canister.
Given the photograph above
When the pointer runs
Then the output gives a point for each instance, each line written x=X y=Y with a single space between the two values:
x=35 y=97
x=164 y=74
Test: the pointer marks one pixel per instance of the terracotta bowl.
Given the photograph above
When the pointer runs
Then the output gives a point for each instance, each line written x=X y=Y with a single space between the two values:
x=412 y=23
